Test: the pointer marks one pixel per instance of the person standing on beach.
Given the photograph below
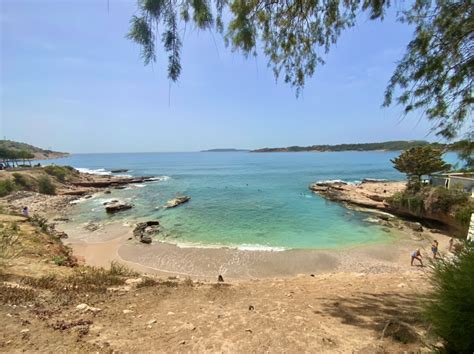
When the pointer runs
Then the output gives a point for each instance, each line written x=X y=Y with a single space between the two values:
x=434 y=249
x=451 y=242
x=416 y=255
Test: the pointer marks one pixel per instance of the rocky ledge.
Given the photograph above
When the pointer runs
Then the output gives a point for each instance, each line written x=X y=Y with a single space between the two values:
x=173 y=203
x=368 y=194
x=116 y=206
x=112 y=182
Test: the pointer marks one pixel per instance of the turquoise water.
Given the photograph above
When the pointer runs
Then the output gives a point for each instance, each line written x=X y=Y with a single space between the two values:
x=239 y=199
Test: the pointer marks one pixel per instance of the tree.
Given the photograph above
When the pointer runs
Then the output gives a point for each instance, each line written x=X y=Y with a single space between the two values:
x=420 y=161
x=450 y=308
x=435 y=75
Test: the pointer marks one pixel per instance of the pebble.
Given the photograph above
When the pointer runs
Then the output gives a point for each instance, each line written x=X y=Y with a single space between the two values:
x=127 y=311
x=151 y=322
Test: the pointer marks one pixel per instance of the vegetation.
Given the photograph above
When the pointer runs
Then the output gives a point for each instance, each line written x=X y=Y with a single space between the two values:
x=433 y=200
x=45 y=186
x=6 y=187
x=23 y=181
x=33 y=150
x=8 y=239
x=450 y=310
x=434 y=76
x=60 y=172
x=11 y=157
x=419 y=161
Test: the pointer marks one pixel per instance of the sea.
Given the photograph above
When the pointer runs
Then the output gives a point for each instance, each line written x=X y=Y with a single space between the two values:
x=244 y=200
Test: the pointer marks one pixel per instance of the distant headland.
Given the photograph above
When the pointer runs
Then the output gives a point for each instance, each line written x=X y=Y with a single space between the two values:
x=225 y=150
x=38 y=153
x=396 y=145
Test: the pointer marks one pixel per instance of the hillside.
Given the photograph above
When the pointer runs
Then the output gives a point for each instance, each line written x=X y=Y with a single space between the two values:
x=385 y=146
x=40 y=154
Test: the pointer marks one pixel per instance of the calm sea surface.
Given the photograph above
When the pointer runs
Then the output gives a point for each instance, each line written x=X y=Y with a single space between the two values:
x=239 y=199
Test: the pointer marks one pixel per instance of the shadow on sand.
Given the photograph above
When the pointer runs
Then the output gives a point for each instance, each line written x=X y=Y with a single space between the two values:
x=389 y=314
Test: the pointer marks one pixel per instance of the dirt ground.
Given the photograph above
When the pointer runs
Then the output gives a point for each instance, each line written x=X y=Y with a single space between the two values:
x=125 y=312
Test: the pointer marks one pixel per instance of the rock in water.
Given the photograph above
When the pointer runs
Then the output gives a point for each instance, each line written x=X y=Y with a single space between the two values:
x=116 y=207
x=144 y=230
x=177 y=201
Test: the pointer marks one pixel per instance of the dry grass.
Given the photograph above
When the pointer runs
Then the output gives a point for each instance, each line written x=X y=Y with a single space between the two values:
x=16 y=295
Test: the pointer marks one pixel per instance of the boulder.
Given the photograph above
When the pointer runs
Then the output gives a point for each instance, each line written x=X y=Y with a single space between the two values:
x=415 y=226
x=173 y=203
x=112 y=208
x=144 y=230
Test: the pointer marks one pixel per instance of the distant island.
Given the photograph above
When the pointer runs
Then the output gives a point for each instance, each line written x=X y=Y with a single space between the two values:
x=224 y=150
x=38 y=153
x=383 y=146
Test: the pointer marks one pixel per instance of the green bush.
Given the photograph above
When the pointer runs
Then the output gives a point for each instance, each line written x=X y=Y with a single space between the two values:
x=23 y=181
x=57 y=171
x=442 y=199
x=463 y=215
x=6 y=187
x=45 y=186
x=450 y=308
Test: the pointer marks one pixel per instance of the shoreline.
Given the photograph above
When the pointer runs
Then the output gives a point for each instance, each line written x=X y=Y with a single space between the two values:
x=115 y=241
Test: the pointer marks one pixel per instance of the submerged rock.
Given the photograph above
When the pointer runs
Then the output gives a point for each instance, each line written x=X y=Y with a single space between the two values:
x=177 y=201
x=112 y=208
x=144 y=230
x=119 y=170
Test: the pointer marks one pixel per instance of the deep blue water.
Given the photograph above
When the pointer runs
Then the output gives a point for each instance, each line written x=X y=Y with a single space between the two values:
x=252 y=200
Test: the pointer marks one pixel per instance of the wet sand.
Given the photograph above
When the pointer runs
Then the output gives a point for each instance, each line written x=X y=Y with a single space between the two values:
x=115 y=242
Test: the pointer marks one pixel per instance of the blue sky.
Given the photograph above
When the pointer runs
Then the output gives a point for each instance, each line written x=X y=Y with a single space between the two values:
x=70 y=80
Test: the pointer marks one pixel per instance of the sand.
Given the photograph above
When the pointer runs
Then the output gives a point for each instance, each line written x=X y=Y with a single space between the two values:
x=116 y=242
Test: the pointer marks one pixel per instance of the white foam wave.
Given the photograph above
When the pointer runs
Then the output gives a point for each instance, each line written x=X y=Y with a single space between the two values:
x=160 y=178
x=256 y=247
x=98 y=171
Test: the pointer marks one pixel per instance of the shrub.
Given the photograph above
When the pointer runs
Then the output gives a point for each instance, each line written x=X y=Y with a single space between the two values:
x=450 y=308
x=45 y=186
x=463 y=215
x=442 y=199
x=6 y=187
x=59 y=260
x=23 y=181
x=56 y=171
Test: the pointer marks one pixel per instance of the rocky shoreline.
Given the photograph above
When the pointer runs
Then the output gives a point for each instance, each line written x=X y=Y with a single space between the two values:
x=371 y=196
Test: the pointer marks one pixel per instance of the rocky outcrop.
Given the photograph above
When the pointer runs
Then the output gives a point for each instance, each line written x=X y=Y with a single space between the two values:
x=173 y=203
x=120 y=170
x=368 y=194
x=115 y=207
x=112 y=182
x=145 y=230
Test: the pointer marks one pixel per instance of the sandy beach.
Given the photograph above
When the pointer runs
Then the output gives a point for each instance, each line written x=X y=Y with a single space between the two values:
x=116 y=242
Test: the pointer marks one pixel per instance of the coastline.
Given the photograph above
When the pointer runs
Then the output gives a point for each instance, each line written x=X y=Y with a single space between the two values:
x=116 y=242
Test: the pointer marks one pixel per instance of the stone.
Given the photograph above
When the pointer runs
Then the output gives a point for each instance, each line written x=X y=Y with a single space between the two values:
x=220 y=279
x=144 y=230
x=119 y=170
x=173 y=203
x=415 y=226
x=92 y=226
x=85 y=307
x=151 y=322
x=107 y=192
x=116 y=207
x=127 y=311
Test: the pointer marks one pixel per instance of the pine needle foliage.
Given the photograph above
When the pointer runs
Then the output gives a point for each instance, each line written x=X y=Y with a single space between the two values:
x=450 y=308
x=434 y=77
x=419 y=161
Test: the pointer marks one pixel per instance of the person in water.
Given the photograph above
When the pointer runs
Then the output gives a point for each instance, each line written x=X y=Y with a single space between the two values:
x=416 y=255
x=434 y=249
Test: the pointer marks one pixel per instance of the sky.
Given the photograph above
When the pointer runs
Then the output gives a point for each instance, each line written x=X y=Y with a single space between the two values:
x=71 y=81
